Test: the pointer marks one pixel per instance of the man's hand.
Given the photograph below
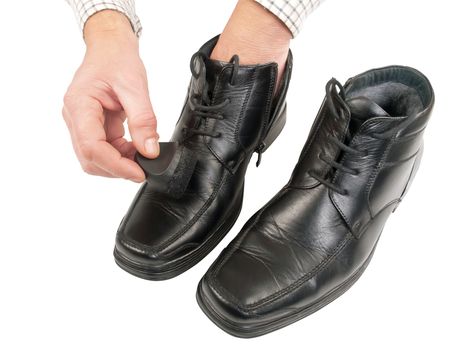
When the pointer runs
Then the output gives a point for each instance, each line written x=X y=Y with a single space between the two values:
x=110 y=86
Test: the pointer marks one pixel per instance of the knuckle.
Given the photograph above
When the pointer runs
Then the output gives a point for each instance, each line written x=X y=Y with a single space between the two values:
x=87 y=168
x=135 y=77
x=86 y=150
x=69 y=99
x=79 y=99
x=71 y=102
x=144 y=119
x=65 y=115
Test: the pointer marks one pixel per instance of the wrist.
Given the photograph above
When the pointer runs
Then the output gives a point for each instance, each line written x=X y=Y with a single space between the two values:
x=108 y=25
x=257 y=24
x=255 y=34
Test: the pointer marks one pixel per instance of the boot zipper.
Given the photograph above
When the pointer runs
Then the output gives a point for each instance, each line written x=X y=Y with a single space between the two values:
x=260 y=150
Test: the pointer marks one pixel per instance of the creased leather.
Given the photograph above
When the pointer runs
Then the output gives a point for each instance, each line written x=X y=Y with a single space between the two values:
x=309 y=242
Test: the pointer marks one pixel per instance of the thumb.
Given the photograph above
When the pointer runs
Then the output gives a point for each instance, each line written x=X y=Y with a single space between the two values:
x=141 y=121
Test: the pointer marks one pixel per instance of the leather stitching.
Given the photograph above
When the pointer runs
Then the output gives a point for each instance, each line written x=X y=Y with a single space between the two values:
x=375 y=174
x=371 y=179
x=239 y=239
x=242 y=110
x=167 y=242
x=232 y=170
x=267 y=113
x=211 y=274
x=206 y=205
x=307 y=146
x=344 y=217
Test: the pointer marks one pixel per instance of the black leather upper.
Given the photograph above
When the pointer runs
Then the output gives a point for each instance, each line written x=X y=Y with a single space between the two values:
x=310 y=238
x=160 y=230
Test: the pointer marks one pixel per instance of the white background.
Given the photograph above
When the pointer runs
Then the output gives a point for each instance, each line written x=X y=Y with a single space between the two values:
x=60 y=288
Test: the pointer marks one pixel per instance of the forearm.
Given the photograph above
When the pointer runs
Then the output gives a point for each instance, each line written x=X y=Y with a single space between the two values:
x=255 y=34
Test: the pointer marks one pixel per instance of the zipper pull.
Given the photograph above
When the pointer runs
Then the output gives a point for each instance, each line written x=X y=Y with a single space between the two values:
x=259 y=150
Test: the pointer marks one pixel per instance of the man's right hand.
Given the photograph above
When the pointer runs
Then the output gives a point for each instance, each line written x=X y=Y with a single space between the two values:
x=110 y=86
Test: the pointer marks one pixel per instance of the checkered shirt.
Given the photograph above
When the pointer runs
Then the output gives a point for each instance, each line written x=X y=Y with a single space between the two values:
x=292 y=12
x=86 y=8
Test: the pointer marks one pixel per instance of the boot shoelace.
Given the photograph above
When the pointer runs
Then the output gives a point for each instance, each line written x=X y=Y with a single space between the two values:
x=200 y=104
x=332 y=96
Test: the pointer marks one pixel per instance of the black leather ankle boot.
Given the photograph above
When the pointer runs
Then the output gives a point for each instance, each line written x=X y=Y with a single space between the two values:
x=189 y=202
x=314 y=239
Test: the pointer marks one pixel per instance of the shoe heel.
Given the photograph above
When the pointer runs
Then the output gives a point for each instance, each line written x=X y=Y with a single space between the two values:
x=415 y=167
x=275 y=128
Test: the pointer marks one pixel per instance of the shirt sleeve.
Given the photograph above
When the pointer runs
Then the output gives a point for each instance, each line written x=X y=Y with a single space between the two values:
x=86 y=8
x=291 y=12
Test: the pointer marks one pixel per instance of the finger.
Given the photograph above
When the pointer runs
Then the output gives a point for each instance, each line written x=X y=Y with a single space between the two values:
x=91 y=144
x=141 y=119
x=110 y=160
x=112 y=168
x=92 y=169
x=115 y=131
x=113 y=125
x=124 y=147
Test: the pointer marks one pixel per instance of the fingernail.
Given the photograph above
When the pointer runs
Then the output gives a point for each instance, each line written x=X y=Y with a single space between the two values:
x=151 y=146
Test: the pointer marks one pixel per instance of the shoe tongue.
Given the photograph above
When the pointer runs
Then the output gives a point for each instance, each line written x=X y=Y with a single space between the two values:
x=207 y=72
x=213 y=70
x=362 y=109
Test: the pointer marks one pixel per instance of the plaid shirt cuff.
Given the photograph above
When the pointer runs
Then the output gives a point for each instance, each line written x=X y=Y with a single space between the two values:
x=291 y=12
x=86 y=8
